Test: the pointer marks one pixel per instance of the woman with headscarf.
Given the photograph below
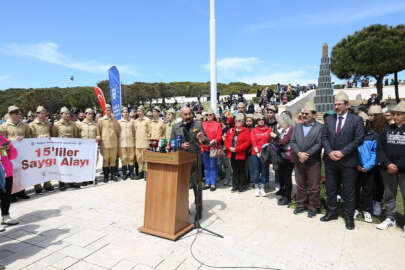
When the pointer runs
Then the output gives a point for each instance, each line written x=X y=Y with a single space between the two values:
x=213 y=129
x=237 y=141
x=283 y=137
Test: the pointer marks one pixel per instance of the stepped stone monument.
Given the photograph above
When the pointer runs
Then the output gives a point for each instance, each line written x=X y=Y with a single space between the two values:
x=324 y=92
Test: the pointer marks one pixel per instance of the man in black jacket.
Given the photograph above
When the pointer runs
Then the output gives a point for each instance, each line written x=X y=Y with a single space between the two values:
x=193 y=134
x=391 y=156
x=342 y=134
x=307 y=145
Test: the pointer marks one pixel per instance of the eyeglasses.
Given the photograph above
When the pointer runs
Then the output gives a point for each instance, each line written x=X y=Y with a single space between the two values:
x=305 y=113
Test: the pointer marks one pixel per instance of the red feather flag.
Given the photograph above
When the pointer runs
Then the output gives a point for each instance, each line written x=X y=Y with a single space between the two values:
x=100 y=98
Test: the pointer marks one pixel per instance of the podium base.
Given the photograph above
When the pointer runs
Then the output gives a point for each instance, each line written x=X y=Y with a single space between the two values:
x=167 y=235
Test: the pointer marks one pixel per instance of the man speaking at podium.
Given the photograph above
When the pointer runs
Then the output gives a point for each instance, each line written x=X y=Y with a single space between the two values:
x=193 y=135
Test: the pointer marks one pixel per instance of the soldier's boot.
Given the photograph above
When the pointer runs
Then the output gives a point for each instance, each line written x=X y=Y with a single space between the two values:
x=131 y=173
x=106 y=171
x=140 y=175
x=124 y=170
x=114 y=174
x=136 y=168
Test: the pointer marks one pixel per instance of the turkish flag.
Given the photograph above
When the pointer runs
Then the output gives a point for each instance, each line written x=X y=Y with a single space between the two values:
x=100 y=98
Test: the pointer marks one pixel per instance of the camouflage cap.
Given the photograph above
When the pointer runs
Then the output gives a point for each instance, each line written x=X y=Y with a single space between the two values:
x=375 y=109
x=40 y=109
x=241 y=105
x=141 y=108
x=13 y=108
x=108 y=106
x=400 y=107
x=171 y=110
x=156 y=108
x=89 y=110
x=64 y=110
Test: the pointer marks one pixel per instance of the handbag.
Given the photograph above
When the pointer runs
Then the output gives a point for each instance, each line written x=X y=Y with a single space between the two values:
x=216 y=151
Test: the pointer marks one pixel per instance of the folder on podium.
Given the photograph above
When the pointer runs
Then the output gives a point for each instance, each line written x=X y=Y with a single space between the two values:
x=166 y=197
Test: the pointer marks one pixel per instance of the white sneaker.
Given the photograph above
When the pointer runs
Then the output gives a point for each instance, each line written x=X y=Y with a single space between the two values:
x=258 y=191
x=367 y=217
x=386 y=224
x=338 y=198
x=262 y=192
x=277 y=187
x=377 y=208
x=2 y=229
x=7 y=220
x=356 y=214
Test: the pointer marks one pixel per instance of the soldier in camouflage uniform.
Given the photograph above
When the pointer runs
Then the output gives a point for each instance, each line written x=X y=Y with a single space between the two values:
x=65 y=128
x=41 y=128
x=15 y=129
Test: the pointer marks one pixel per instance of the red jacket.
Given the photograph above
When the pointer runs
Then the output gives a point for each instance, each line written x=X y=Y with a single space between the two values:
x=213 y=131
x=259 y=137
x=242 y=143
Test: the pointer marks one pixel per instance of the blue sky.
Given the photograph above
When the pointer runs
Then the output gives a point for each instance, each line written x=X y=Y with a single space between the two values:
x=44 y=42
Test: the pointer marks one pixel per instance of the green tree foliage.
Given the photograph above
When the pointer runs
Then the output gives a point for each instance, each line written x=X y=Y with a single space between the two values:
x=376 y=50
x=133 y=94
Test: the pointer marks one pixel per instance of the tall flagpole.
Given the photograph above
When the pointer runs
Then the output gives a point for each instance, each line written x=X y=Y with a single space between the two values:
x=213 y=60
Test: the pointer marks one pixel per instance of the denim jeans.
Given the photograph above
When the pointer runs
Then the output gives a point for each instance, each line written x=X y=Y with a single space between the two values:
x=260 y=171
x=210 y=169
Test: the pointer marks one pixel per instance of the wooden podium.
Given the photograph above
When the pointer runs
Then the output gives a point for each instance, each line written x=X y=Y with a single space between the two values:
x=166 y=199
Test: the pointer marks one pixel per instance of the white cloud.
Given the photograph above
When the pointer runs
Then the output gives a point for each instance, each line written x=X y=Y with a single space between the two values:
x=296 y=76
x=49 y=52
x=235 y=64
x=5 y=78
x=338 y=17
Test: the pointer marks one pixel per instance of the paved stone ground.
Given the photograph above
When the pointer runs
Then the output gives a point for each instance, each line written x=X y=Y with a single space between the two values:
x=96 y=228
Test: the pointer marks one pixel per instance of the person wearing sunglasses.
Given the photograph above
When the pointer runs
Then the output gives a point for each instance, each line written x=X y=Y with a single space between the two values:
x=213 y=129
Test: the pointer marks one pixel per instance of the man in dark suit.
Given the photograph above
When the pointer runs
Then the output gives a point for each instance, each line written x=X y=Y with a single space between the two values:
x=306 y=143
x=342 y=134
x=193 y=135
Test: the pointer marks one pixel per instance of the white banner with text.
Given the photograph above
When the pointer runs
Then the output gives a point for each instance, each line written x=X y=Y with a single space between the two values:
x=59 y=159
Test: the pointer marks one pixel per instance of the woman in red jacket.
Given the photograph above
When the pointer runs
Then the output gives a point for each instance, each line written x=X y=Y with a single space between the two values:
x=213 y=129
x=260 y=135
x=237 y=141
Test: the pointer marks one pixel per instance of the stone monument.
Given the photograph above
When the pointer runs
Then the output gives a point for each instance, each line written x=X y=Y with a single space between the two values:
x=324 y=93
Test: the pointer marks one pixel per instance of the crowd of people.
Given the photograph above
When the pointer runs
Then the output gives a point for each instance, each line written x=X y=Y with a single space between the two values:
x=362 y=152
